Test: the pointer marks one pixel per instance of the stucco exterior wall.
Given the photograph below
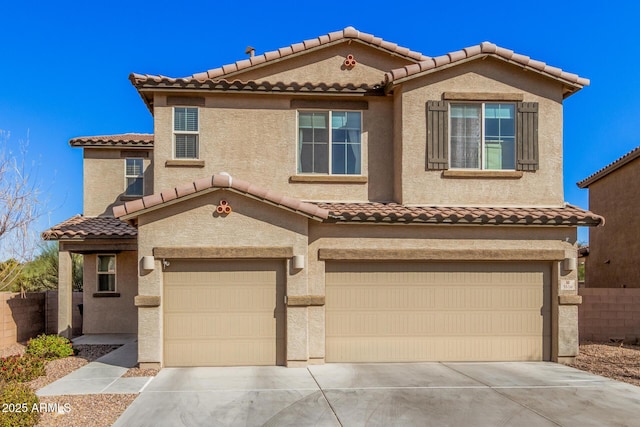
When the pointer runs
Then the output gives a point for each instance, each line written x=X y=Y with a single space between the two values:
x=104 y=179
x=327 y=65
x=255 y=138
x=614 y=247
x=194 y=223
x=105 y=315
x=543 y=187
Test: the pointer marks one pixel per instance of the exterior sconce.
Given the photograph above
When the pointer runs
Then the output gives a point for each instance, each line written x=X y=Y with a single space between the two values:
x=298 y=262
x=570 y=264
x=148 y=263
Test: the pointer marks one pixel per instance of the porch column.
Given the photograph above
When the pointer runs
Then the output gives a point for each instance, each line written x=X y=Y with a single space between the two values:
x=65 y=294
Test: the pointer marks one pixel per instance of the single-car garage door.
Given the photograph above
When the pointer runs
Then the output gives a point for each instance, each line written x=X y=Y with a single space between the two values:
x=400 y=312
x=224 y=313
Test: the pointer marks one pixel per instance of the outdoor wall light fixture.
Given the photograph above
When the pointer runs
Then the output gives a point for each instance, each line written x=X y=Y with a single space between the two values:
x=570 y=264
x=298 y=262
x=148 y=262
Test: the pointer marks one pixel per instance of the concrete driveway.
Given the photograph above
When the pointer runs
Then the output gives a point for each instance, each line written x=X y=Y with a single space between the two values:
x=420 y=394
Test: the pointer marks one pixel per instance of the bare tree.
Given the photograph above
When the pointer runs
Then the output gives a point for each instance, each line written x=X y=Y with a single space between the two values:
x=19 y=208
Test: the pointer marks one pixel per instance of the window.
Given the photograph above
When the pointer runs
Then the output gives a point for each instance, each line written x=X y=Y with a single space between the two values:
x=482 y=136
x=329 y=142
x=185 y=132
x=134 y=179
x=106 y=273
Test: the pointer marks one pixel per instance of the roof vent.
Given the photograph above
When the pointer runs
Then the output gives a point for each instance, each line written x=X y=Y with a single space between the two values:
x=251 y=51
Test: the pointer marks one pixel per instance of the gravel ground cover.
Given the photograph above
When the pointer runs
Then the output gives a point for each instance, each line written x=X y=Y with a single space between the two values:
x=616 y=361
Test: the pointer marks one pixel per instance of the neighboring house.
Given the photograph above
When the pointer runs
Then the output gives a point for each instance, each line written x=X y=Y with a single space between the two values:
x=612 y=260
x=342 y=199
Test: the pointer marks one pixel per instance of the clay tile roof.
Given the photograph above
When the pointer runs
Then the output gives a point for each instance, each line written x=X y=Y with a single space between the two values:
x=218 y=181
x=125 y=139
x=87 y=227
x=483 y=49
x=348 y=33
x=627 y=158
x=149 y=81
x=395 y=213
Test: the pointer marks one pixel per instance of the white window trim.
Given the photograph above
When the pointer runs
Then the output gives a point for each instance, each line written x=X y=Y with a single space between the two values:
x=115 y=274
x=330 y=148
x=482 y=136
x=126 y=176
x=174 y=132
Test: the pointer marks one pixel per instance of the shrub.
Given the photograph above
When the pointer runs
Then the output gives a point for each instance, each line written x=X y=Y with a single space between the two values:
x=21 y=368
x=49 y=347
x=18 y=401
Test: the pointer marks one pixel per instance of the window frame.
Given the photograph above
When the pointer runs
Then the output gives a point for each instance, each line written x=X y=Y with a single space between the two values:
x=329 y=142
x=482 y=166
x=127 y=176
x=103 y=273
x=185 y=132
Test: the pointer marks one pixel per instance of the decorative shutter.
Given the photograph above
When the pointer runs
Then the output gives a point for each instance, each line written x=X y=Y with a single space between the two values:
x=527 y=136
x=437 y=135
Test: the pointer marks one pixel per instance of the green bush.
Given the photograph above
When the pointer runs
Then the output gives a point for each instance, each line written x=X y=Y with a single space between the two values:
x=18 y=402
x=21 y=368
x=50 y=347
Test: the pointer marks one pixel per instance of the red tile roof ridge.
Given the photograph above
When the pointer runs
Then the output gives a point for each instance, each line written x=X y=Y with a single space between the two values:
x=615 y=165
x=484 y=48
x=348 y=33
x=146 y=139
x=220 y=180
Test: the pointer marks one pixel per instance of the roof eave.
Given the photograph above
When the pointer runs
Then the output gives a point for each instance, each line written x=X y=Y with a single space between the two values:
x=570 y=87
x=617 y=164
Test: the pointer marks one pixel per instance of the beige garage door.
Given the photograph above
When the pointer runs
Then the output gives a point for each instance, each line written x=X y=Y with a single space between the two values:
x=219 y=313
x=383 y=312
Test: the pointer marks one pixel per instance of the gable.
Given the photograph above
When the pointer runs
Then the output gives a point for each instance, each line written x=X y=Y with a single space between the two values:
x=327 y=65
x=196 y=223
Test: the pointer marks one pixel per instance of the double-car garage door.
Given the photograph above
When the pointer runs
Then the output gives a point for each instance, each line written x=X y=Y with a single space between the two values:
x=225 y=313
x=403 y=312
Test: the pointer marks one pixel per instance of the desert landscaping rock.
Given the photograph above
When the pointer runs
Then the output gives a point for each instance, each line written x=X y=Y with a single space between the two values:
x=616 y=361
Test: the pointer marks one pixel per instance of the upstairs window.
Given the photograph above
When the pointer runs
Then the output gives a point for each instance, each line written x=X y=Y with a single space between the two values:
x=329 y=142
x=482 y=136
x=106 y=273
x=133 y=175
x=185 y=132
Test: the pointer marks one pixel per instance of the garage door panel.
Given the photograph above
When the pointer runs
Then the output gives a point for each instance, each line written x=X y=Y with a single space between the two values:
x=225 y=352
x=223 y=313
x=389 y=312
x=379 y=349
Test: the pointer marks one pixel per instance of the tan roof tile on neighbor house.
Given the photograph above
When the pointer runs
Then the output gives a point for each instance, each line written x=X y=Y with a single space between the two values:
x=221 y=181
x=627 y=158
x=119 y=140
x=396 y=213
x=82 y=227
x=484 y=48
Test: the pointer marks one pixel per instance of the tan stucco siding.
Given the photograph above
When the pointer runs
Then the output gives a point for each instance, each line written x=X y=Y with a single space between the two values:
x=105 y=315
x=543 y=187
x=104 y=179
x=256 y=138
x=327 y=66
x=614 y=248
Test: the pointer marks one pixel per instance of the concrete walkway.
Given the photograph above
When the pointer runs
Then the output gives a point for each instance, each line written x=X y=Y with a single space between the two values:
x=104 y=374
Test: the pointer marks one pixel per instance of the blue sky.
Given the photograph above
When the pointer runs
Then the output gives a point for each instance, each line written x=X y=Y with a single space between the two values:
x=64 y=65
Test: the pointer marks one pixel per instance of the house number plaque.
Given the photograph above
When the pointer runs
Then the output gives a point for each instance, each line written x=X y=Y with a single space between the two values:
x=567 y=285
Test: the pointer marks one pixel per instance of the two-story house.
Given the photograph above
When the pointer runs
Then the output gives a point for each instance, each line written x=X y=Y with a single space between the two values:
x=342 y=199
